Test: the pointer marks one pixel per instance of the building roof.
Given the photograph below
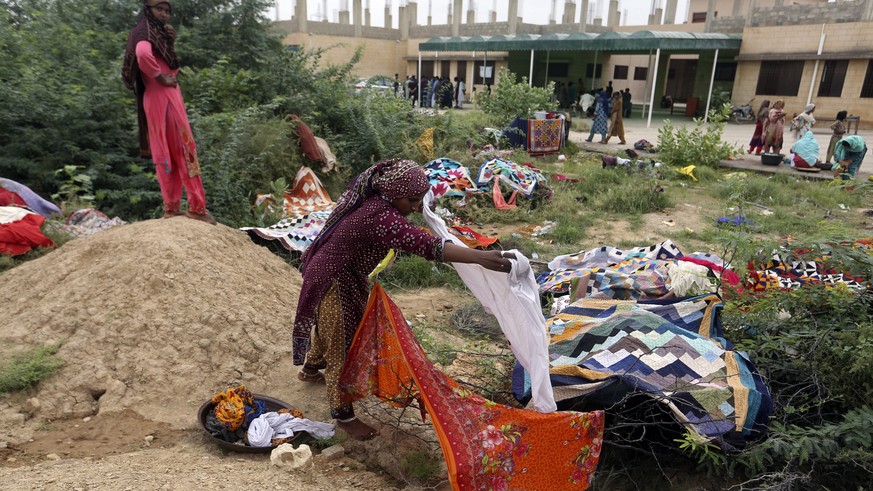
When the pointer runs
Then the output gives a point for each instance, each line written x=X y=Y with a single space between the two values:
x=639 y=42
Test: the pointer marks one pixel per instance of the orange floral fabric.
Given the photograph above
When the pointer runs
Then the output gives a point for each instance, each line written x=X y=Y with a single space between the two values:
x=487 y=446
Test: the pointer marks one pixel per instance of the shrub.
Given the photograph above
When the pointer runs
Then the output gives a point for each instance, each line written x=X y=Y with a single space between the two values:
x=699 y=144
x=512 y=98
x=29 y=368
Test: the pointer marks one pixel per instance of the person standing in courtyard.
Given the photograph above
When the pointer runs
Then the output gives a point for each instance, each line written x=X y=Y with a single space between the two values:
x=368 y=221
x=838 y=130
x=757 y=142
x=616 y=120
x=774 y=127
x=626 y=103
x=601 y=117
x=150 y=69
x=803 y=122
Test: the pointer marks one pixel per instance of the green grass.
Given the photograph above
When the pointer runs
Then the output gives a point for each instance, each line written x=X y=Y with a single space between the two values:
x=29 y=368
x=412 y=272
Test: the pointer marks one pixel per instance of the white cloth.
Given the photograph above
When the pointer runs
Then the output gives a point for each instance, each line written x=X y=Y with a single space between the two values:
x=586 y=101
x=514 y=300
x=272 y=425
x=11 y=214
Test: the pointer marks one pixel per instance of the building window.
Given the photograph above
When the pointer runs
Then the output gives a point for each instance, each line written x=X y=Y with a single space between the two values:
x=641 y=72
x=483 y=74
x=867 y=88
x=559 y=70
x=698 y=17
x=832 y=77
x=725 y=72
x=589 y=70
x=779 y=78
x=620 y=72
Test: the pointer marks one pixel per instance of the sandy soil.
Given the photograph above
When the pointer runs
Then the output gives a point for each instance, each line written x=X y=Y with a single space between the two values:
x=153 y=319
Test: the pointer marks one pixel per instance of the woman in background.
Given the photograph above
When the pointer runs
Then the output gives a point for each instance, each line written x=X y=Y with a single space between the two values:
x=150 y=69
x=838 y=129
x=757 y=142
x=601 y=112
x=616 y=119
x=774 y=127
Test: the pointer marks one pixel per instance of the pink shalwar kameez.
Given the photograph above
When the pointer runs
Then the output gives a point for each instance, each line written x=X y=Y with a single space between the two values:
x=170 y=138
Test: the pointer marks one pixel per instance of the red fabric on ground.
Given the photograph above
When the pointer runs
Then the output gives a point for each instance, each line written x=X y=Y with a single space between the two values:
x=8 y=197
x=486 y=445
x=308 y=145
x=21 y=236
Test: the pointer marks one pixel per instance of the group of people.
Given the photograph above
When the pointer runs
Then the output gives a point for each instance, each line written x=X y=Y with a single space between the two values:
x=847 y=152
x=435 y=92
x=609 y=113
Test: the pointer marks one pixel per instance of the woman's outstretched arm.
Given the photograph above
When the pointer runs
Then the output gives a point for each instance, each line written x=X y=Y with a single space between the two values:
x=493 y=260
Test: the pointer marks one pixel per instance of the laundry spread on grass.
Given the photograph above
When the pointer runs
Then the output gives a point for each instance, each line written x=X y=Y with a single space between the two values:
x=85 y=222
x=306 y=207
x=20 y=231
x=794 y=268
x=605 y=351
x=12 y=192
x=517 y=177
x=641 y=272
x=449 y=178
x=485 y=445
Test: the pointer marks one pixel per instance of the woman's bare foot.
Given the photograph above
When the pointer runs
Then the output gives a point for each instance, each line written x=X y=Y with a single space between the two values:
x=314 y=377
x=358 y=430
x=171 y=214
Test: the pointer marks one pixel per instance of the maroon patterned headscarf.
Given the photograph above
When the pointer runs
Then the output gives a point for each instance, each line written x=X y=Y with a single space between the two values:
x=163 y=39
x=390 y=179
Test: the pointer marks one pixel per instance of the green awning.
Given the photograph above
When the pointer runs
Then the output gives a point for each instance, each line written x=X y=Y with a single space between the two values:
x=639 y=41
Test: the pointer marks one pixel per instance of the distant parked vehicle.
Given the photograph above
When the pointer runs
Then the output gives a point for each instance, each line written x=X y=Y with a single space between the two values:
x=743 y=114
x=379 y=83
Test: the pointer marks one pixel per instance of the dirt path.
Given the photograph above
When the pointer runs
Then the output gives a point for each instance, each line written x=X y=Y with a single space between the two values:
x=153 y=319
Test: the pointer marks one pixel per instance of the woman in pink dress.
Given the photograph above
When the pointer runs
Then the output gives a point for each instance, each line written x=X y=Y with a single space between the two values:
x=150 y=69
x=774 y=127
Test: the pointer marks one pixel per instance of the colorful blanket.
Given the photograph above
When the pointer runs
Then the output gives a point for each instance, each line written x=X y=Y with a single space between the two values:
x=449 y=178
x=306 y=207
x=294 y=234
x=518 y=177
x=487 y=446
x=544 y=136
x=88 y=221
x=604 y=351
x=624 y=274
x=793 y=269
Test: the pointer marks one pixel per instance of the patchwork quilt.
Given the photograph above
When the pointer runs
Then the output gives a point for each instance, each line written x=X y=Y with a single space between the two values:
x=670 y=350
x=449 y=178
x=544 y=136
x=519 y=177
x=790 y=269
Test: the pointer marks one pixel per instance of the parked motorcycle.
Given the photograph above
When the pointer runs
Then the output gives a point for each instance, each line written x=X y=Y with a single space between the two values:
x=744 y=113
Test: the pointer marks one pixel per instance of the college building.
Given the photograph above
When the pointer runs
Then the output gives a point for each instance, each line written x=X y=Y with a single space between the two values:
x=795 y=50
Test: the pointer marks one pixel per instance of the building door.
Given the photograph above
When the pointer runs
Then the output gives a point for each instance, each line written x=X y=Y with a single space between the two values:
x=427 y=69
x=445 y=68
x=462 y=70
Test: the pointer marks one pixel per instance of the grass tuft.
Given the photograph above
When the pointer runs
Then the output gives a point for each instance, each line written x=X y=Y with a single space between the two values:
x=29 y=368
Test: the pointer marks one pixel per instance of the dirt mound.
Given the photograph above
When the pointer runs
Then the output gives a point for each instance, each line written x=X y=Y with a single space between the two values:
x=154 y=316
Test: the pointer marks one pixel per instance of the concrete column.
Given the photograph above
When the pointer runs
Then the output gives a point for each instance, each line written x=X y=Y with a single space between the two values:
x=403 y=23
x=651 y=20
x=867 y=14
x=412 y=14
x=457 y=11
x=710 y=14
x=670 y=12
x=492 y=16
x=301 y=15
x=513 y=17
x=343 y=17
x=570 y=11
x=357 y=19
x=659 y=14
x=367 y=18
x=612 y=14
x=753 y=5
x=598 y=21
x=738 y=6
x=388 y=20
x=430 y=20
x=471 y=16
x=583 y=16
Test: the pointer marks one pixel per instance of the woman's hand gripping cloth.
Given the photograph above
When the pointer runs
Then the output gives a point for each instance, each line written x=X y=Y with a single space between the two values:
x=514 y=300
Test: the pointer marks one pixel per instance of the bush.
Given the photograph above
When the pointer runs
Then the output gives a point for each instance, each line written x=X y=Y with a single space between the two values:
x=699 y=145
x=29 y=368
x=512 y=98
